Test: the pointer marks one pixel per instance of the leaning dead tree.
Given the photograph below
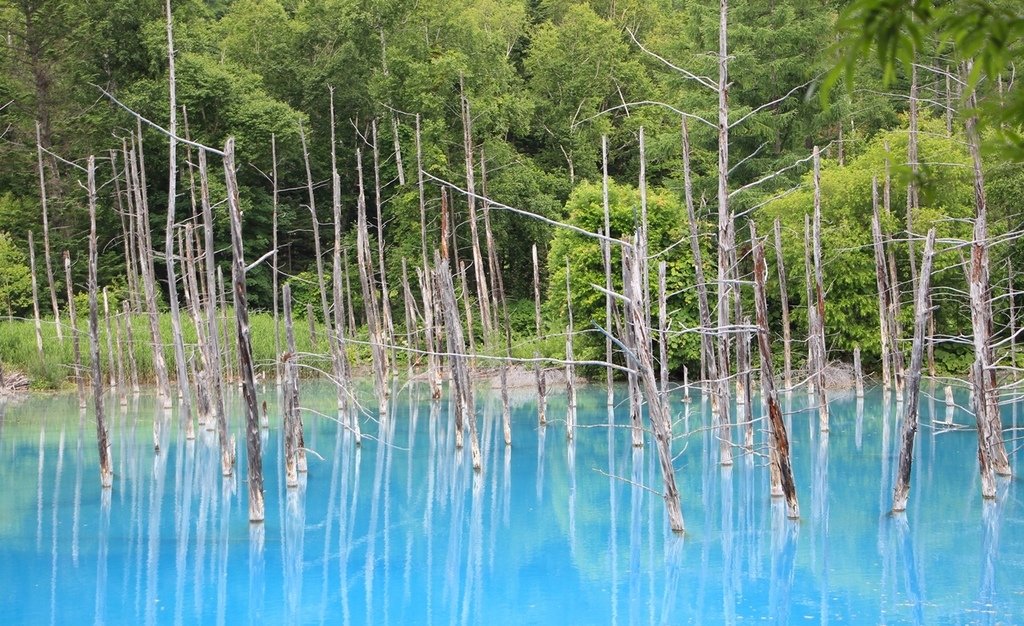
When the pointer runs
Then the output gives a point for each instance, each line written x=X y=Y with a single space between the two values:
x=640 y=352
x=901 y=491
x=781 y=465
x=465 y=407
x=253 y=444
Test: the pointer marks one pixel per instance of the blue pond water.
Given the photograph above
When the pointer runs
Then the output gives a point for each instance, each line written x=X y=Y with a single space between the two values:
x=401 y=531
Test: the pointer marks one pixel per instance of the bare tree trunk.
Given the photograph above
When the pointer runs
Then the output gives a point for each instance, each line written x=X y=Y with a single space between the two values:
x=46 y=238
x=726 y=237
x=812 y=311
x=912 y=192
x=35 y=297
x=148 y=279
x=744 y=368
x=662 y=329
x=1013 y=323
x=464 y=285
x=901 y=491
x=184 y=389
x=409 y=306
x=227 y=447
x=661 y=421
x=102 y=439
x=253 y=444
x=388 y=323
x=127 y=225
x=986 y=397
x=274 y=264
x=290 y=395
x=780 y=457
x=819 y=287
x=606 y=253
x=537 y=369
x=465 y=409
x=75 y=337
x=335 y=331
x=708 y=362
x=632 y=377
x=321 y=285
x=426 y=286
x=784 y=297
x=858 y=373
x=478 y=264
x=570 y=368
x=122 y=383
x=133 y=368
x=204 y=387
x=365 y=259
x=111 y=370
x=882 y=281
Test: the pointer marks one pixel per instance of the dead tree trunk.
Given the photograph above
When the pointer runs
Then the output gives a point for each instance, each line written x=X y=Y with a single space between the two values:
x=780 y=457
x=464 y=285
x=146 y=255
x=638 y=309
x=726 y=237
x=744 y=370
x=335 y=330
x=46 y=238
x=709 y=365
x=819 y=289
x=366 y=281
x=606 y=253
x=184 y=389
x=478 y=264
x=858 y=373
x=241 y=304
x=290 y=395
x=75 y=336
x=133 y=367
x=426 y=287
x=190 y=279
x=465 y=409
x=662 y=329
x=912 y=192
x=901 y=491
x=35 y=297
x=882 y=281
x=387 y=320
x=987 y=401
x=274 y=264
x=538 y=370
x=317 y=252
x=111 y=370
x=787 y=354
x=570 y=367
x=102 y=439
x=227 y=446
x=632 y=377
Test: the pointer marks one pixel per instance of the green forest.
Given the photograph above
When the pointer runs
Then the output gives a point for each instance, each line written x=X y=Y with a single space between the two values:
x=515 y=99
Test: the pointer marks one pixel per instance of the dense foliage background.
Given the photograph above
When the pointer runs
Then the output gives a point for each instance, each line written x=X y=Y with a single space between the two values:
x=545 y=80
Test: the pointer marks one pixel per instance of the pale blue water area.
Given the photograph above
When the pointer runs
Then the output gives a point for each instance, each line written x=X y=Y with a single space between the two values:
x=401 y=531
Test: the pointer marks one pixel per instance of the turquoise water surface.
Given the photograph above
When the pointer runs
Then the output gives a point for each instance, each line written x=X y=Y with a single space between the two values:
x=401 y=531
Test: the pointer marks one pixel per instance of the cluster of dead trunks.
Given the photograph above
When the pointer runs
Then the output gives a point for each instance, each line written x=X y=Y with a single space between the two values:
x=445 y=338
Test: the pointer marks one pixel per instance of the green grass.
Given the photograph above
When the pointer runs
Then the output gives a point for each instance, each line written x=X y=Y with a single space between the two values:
x=55 y=369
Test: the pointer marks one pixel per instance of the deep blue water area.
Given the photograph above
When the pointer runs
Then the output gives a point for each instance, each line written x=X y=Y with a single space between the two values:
x=400 y=530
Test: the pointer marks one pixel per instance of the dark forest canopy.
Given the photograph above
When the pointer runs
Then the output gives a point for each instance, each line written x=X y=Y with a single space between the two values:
x=545 y=80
